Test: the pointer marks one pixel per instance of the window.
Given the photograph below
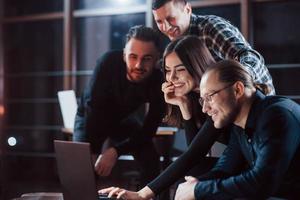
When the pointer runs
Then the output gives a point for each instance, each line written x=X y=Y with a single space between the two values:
x=96 y=35
x=15 y=8
x=33 y=51
x=277 y=30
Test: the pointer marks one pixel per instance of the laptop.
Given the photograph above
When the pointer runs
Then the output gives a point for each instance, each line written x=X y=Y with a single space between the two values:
x=76 y=171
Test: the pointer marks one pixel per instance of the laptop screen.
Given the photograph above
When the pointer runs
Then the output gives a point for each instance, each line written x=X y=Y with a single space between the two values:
x=68 y=106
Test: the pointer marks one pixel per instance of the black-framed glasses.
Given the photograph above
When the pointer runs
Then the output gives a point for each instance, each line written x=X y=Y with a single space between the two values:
x=208 y=98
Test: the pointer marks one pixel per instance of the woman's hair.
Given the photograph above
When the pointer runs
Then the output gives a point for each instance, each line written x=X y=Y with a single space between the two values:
x=196 y=57
x=231 y=71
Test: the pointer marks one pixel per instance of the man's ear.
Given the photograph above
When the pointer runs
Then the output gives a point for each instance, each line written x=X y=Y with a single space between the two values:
x=124 y=55
x=239 y=89
x=188 y=8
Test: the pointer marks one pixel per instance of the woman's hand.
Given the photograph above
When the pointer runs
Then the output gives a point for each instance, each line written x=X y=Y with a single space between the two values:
x=182 y=101
x=170 y=98
x=120 y=193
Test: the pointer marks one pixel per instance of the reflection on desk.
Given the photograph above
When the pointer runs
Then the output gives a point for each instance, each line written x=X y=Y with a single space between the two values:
x=41 y=196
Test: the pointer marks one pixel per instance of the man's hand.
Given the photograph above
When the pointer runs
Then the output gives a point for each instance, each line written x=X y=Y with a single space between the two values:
x=106 y=162
x=185 y=191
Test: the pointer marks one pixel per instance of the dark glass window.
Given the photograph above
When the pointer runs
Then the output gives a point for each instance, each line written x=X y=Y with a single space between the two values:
x=33 y=46
x=277 y=31
x=96 y=35
x=284 y=84
x=228 y=12
x=120 y=24
x=27 y=7
x=32 y=86
x=92 y=4
x=33 y=114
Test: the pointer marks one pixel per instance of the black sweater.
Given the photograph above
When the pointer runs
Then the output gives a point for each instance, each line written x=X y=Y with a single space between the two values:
x=110 y=98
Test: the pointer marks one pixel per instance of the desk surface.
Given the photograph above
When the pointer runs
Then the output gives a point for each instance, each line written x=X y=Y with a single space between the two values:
x=162 y=130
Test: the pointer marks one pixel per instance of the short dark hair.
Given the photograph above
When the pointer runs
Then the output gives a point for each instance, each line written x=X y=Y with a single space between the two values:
x=156 y=4
x=146 y=34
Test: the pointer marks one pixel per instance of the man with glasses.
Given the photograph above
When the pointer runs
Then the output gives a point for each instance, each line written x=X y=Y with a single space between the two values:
x=263 y=154
x=208 y=97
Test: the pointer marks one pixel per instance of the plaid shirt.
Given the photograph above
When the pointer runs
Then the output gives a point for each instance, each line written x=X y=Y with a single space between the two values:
x=226 y=42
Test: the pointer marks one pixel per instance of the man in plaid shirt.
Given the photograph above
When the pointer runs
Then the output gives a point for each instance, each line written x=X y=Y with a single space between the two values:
x=174 y=18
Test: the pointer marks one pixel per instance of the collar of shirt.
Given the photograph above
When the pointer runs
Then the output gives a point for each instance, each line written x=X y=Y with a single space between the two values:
x=194 y=26
x=254 y=113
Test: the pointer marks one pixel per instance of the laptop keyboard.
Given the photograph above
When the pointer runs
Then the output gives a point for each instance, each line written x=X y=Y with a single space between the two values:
x=104 y=197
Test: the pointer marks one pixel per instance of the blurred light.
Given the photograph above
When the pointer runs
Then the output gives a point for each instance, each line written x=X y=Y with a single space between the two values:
x=2 y=110
x=123 y=1
x=12 y=141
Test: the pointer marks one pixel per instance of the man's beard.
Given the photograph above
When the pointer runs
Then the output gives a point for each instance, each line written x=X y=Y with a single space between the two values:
x=132 y=75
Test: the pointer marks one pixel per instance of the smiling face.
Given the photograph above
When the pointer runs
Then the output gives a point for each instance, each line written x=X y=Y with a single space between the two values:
x=178 y=75
x=173 y=19
x=140 y=58
x=223 y=107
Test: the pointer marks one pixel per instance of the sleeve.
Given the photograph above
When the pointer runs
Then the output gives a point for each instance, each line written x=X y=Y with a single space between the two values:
x=152 y=120
x=79 y=126
x=227 y=42
x=277 y=143
x=191 y=130
x=190 y=126
x=93 y=97
x=228 y=164
x=198 y=149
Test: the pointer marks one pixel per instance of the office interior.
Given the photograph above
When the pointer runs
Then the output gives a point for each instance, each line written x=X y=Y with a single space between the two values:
x=52 y=45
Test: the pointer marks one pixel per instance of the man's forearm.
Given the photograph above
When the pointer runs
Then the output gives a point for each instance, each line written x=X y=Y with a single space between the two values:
x=79 y=133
